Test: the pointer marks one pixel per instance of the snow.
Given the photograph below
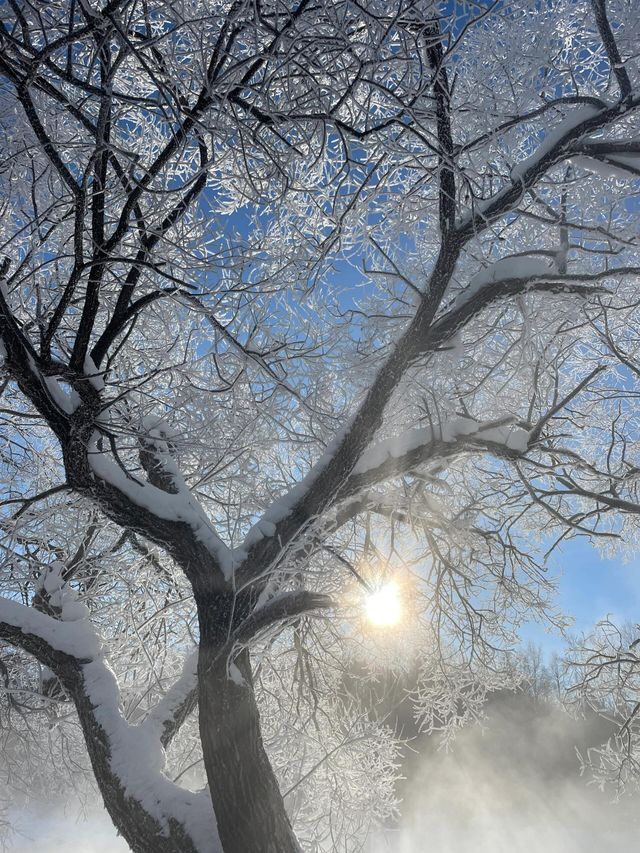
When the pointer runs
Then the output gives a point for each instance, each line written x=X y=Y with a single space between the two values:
x=631 y=160
x=520 y=171
x=278 y=511
x=138 y=759
x=157 y=427
x=512 y=437
x=553 y=137
x=51 y=580
x=75 y=638
x=61 y=595
x=136 y=755
x=163 y=711
x=181 y=507
x=235 y=675
x=608 y=169
x=281 y=507
x=522 y=267
x=68 y=401
x=91 y=371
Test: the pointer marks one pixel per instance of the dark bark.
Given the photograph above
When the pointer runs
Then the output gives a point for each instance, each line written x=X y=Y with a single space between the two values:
x=246 y=797
x=140 y=830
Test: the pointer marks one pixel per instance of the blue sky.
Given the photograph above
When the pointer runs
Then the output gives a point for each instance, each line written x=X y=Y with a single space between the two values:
x=590 y=588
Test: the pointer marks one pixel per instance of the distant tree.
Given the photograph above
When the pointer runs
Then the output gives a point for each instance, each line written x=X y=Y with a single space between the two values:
x=537 y=677
x=604 y=668
x=301 y=302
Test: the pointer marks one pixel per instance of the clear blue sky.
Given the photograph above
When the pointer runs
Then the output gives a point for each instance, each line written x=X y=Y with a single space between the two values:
x=590 y=588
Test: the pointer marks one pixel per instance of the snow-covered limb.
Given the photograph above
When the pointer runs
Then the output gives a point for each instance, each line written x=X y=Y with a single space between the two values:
x=30 y=628
x=402 y=453
x=21 y=358
x=482 y=293
x=137 y=759
x=180 y=506
x=525 y=275
x=609 y=158
x=283 y=506
x=560 y=143
x=421 y=335
x=165 y=718
x=128 y=759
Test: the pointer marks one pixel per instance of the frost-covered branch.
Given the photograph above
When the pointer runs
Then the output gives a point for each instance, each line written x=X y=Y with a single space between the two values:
x=128 y=759
x=166 y=717
x=558 y=144
x=280 y=609
x=609 y=42
x=401 y=454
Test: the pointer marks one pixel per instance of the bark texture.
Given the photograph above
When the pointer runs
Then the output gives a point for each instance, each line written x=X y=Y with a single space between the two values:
x=246 y=797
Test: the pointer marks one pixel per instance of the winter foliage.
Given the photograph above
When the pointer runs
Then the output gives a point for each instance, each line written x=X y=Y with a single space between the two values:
x=300 y=300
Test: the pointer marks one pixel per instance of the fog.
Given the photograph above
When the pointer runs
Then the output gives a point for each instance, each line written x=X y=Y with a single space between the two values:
x=510 y=786
x=56 y=829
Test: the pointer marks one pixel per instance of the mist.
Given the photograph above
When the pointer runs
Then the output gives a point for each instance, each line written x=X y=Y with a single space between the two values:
x=56 y=828
x=512 y=785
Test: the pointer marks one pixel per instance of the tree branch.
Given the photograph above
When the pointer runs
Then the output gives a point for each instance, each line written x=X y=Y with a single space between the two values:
x=609 y=42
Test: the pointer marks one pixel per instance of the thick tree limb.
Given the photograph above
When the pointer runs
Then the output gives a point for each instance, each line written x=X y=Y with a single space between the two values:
x=279 y=609
x=153 y=818
x=609 y=42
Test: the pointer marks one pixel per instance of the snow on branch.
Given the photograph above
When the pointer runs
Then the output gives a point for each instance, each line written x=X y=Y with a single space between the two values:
x=166 y=717
x=408 y=445
x=488 y=287
x=284 y=505
x=135 y=753
x=180 y=506
x=137 y=760
x=561 y=142
x=606 y=165
x=523 y=268
x=74 y=638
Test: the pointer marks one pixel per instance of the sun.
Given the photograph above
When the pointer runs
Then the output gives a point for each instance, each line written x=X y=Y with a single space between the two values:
x=383 y=606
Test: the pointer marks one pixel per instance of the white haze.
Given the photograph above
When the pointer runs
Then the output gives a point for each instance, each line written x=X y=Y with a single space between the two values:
x=48 y=829
x=512 y=786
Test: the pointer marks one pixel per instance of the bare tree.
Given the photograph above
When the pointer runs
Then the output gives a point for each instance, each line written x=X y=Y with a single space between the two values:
x=299 y=299
x=603 y=671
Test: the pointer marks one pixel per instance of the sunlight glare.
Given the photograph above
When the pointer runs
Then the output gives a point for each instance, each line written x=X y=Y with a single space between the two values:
x=383 y=605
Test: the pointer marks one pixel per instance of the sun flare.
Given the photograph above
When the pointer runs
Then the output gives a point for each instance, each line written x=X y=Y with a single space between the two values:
x=383 y=606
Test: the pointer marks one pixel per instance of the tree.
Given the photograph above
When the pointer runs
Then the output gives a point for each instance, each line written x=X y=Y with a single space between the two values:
x=604 y=669
x=299 y=299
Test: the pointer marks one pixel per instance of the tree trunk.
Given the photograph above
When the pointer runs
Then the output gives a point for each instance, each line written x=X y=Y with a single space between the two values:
x=246 y=798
